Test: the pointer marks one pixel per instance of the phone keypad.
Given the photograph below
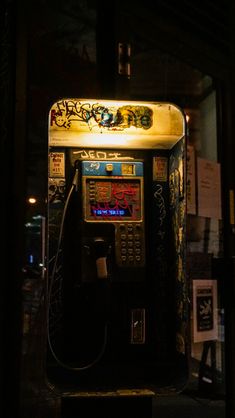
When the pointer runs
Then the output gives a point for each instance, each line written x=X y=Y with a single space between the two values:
x=130 y=245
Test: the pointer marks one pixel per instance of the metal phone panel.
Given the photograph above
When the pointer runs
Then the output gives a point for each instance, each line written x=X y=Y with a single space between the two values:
x=113 y=192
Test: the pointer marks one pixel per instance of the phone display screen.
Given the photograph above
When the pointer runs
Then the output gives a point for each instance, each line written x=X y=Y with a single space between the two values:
x=113 y=199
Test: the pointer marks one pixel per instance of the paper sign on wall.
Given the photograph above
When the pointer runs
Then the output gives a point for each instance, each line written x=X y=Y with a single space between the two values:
x=56 y=164
x=160 y=168
x=205 y=317
x=209 y=189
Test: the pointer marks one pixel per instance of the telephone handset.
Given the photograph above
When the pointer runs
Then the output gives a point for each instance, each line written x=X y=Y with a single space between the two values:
x=113 y=215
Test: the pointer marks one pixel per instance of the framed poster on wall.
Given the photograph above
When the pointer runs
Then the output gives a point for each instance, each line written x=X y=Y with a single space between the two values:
x=205 y=310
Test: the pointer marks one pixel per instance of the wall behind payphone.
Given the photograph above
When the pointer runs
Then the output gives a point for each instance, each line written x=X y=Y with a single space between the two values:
x=90 y=323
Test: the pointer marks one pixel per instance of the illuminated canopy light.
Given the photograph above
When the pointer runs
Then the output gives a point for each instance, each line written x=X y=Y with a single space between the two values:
x=106 y=123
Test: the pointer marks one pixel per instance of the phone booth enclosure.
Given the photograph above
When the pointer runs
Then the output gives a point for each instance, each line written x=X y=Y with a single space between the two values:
x=117 y=314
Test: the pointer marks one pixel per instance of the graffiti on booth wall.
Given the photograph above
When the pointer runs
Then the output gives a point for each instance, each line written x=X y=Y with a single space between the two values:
x=100 y=155
x=161 y=208
x=113 y=118
x=56 y=190
x=160 y=203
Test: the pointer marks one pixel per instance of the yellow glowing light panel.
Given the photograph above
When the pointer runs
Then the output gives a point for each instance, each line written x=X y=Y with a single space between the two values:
x=121 y=124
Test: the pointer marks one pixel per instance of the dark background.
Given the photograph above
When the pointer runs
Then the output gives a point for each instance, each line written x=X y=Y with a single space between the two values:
x=54 y=49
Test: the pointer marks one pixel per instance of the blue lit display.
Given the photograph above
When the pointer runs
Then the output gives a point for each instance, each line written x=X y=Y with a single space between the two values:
x=111 y=212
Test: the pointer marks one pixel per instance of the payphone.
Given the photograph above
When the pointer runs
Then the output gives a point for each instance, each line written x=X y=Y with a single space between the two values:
x=117 y=292
x=113 y=194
